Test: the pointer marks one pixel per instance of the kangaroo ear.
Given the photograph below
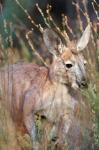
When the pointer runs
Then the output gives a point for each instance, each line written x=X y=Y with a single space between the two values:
x=82 y=43
x=52 y=42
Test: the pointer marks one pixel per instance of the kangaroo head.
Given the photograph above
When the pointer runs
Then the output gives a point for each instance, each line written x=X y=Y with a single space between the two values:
x=68 y=66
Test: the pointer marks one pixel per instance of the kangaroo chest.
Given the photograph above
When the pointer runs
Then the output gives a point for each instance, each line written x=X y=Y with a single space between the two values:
x=57 y=102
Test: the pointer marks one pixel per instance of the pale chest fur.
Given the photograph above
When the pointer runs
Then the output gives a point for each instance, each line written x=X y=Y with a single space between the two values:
x=56 y=101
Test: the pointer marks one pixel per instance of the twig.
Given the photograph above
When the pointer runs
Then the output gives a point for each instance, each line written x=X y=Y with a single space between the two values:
x=32 y=47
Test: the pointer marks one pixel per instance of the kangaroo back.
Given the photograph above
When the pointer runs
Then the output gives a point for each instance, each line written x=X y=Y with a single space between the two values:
x=16 y=80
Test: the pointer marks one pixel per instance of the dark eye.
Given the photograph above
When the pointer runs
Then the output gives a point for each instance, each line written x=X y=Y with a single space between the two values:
x=68 y=65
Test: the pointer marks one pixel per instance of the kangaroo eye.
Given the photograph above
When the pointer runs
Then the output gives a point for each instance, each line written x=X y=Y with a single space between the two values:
x=69 y=65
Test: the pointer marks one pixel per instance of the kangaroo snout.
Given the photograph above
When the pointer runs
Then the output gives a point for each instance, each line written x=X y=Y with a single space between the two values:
x=84 y=83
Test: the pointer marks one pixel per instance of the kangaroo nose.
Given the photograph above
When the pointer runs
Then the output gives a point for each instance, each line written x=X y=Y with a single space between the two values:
x=84 y=83
x=54 y=138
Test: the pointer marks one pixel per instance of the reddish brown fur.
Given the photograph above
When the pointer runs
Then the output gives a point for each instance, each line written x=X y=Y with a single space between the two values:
x=29 y=89
x=16 y=80
x=67 y=54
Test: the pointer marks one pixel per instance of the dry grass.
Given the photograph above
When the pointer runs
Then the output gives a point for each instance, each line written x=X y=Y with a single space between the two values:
x=9 y=138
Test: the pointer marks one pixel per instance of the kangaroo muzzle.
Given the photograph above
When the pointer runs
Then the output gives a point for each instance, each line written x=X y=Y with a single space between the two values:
x=84 y=83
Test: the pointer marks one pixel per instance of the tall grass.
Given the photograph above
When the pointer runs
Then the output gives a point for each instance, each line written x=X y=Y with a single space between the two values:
x=27 y=47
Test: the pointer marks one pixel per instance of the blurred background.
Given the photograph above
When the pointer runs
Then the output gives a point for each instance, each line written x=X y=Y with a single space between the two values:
x=21 y=25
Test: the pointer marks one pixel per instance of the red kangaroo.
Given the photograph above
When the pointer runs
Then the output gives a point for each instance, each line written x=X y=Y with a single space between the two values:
x=30 y=88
